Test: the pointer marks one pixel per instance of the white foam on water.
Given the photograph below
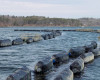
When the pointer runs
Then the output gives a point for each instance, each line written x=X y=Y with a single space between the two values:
x=63 y=33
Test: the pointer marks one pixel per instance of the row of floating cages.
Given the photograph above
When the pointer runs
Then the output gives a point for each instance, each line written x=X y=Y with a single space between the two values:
x=88 y=30
x=85 y=30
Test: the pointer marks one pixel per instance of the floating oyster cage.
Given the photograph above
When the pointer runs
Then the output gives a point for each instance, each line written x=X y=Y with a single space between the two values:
x=33 y=36
x=21 y=74
x=99 y=38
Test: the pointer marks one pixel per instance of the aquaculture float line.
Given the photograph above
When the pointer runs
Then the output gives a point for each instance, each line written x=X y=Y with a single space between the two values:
x=82 y=55
x=29 y=39
x=77 y=30
x=36 y=30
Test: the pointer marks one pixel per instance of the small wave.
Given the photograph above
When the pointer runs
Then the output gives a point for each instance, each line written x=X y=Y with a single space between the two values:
x=8 y=68
x=8 y=51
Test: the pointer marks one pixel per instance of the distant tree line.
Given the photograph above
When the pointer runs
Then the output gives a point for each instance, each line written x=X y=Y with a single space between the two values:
x=90 y=21
x=6 y=20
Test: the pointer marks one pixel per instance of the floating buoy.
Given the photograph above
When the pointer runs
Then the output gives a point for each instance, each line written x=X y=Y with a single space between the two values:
x=96 y=52
x=94 y=43
x=37 y=37
x=88 y=48
x=77 y=66
x=21 y=74
x=50 y=36
x=76 y=51
x=29 y=40
x=87 y=57
x=17 y=41
x=45 y=37
x=66 y=74
x=61 y=57
x=5 y=42
x=44 y=65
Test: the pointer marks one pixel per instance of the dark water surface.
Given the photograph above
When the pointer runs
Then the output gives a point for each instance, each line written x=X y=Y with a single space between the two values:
x=14 y=57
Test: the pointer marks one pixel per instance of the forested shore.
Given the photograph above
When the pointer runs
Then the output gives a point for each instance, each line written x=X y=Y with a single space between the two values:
x=7 y=21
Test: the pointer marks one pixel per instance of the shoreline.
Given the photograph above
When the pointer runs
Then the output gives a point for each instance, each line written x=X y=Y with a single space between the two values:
x=46 y=26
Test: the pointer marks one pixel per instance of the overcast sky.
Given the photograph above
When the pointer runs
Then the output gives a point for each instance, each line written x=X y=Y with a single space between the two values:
x=51 y=8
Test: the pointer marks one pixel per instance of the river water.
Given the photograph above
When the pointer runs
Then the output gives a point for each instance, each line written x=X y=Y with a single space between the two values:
x=14 y=57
